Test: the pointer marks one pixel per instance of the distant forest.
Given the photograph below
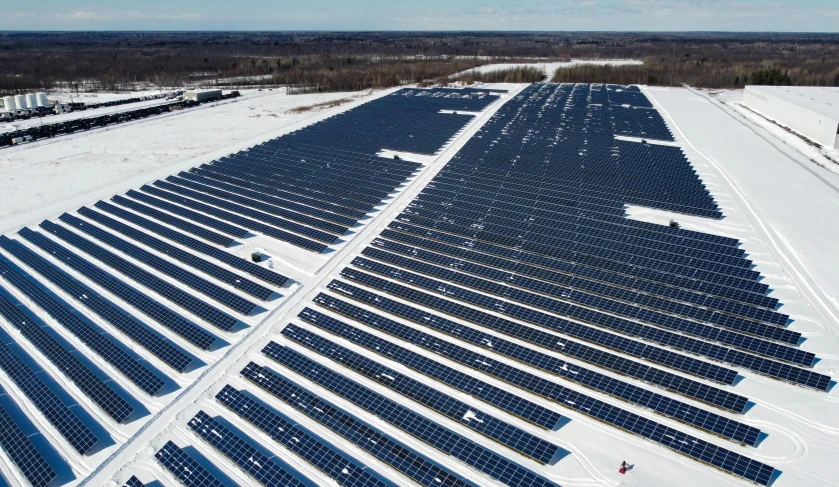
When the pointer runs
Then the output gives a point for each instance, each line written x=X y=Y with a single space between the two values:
x=315 y=62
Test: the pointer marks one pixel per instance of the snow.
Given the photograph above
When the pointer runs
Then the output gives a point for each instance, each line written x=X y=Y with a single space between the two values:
x=550 y=67
x=777 y=201
x=83 y=166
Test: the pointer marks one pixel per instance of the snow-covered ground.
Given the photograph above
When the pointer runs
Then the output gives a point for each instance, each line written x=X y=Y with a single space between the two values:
x=550 y=67
x=777 y=202
x=80 y=168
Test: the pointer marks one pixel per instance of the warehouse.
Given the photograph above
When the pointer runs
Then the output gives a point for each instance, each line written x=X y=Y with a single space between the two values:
x=810 y=111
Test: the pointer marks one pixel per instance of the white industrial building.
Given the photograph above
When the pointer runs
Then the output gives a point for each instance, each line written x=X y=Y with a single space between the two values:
x=201 y=95
x=811 y=111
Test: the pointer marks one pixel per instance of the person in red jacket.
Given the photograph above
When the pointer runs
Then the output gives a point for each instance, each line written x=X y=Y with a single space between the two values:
x=624 y=467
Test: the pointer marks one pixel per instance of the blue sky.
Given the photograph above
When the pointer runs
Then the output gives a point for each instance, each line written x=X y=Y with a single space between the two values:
x=552 y=15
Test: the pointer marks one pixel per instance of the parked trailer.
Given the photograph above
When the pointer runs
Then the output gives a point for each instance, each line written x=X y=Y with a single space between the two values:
x=52 y=130
x=202 y=95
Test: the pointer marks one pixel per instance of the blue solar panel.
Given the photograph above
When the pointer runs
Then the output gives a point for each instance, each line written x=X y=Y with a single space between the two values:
x=220 y=273
x=666 y=380
x=208 y=313
x=255 y=270
x=411 y=422
x=35 y=330
x=712 y=351
x=374 y=442
x=505 y=433
x=134 y=482
x=329 y=460
x=271 y=208
x=57 y=413
x=134 y=329
x=197 y=230
x=259 y=466
x=186 y=469
x=23 y=453
x=163 y=315
x=208 y=288
x=610 y=340
x=238 y=220
x=133 y=368
x=683 y=412
x=572 y=303
x=498 y=397
x=190 y=215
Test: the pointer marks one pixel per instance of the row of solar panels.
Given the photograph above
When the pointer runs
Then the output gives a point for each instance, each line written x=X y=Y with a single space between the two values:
x=469 y=279
x=414 y=263
x=169 y=236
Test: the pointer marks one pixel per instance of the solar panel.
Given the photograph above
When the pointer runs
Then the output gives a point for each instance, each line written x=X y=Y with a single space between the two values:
x=579 y=305
x=194 y=281
x=23 y=453
x=188 y=471
x=134 y=482
x=610 y=340
x=310 y=200
x=133 y=368
x=258 y=216
x=586 y=405
x=190 y=215
x=273 y=208
x=208 y=313
x=251 y=268
x=335 y=218
x=57 y=413
x=35 y=330
x=715 y=352
x=672 y=382
x=646 y=280
x=498 y=397
x=372 y=441
x=665 y=406
x=505 y=433
x=197 y=230
x=445 y=440
x=163 y=315
x=259 y=466
x=136 y=330
x=231 y=278
x=238 y=220
x=720 y=310
x=326 y=458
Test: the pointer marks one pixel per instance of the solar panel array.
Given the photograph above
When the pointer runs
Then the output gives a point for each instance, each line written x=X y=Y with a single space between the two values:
x=134 y=482
x=141 y=279
x=522 y=237
x=22 y=452
x=185 y=468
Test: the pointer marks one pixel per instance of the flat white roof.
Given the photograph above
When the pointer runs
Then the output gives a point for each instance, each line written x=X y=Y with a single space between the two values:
x=822 y=100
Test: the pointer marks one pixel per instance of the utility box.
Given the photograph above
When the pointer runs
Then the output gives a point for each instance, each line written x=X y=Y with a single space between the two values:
x=202 y=95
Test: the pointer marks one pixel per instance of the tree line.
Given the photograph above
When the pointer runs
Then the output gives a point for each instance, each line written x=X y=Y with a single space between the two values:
x=336 y=61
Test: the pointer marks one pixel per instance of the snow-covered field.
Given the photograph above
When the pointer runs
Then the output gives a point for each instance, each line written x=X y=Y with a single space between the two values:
x=780 y=204
x=549 y=68
x=74 y=167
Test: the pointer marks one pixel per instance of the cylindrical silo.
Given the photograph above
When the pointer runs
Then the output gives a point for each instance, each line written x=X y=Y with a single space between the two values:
x=42 y=99
x=9 y=104
x=31 y=101
x=20 y=101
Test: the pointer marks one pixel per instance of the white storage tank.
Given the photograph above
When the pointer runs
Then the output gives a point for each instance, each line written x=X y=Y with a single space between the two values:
x=9 y=104
x=201 y=95
x=31 y=101
x=20 y=101
x=42 y=99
